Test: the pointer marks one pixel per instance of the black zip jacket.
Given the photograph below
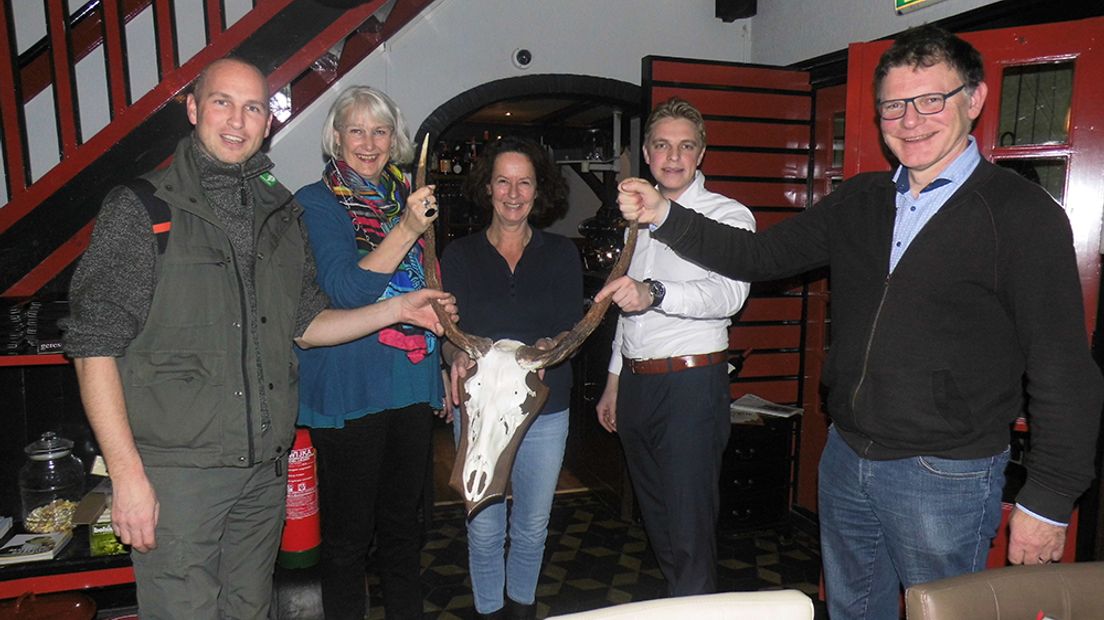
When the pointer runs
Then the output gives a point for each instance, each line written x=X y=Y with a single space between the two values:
x=982 y=314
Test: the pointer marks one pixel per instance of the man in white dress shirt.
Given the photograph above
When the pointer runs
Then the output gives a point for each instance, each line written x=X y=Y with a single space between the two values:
x=667 y=393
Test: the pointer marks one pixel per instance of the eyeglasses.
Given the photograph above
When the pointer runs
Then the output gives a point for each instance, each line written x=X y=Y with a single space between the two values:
x=929 y=103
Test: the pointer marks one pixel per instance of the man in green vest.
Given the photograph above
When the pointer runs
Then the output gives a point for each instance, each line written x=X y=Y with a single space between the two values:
x=184 y=354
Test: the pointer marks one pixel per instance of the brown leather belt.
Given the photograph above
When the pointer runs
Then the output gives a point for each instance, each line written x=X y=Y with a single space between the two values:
x=674 y=364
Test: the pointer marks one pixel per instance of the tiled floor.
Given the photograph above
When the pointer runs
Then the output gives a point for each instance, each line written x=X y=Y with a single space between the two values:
x=594 y=559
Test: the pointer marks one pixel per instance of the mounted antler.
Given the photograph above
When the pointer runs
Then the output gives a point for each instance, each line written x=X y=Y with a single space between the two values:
x=503 y=394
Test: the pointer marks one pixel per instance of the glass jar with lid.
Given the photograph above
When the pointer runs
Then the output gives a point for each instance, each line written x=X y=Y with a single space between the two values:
x=51 y=484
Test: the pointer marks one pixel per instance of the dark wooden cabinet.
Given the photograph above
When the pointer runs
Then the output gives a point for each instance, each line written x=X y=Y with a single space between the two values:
x=758 y=473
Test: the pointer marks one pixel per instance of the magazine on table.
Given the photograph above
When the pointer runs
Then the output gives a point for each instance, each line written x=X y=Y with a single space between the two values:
x=752 y=404
x=33 y=547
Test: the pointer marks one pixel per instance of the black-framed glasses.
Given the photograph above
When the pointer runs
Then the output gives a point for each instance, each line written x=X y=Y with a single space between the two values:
x=928 y=103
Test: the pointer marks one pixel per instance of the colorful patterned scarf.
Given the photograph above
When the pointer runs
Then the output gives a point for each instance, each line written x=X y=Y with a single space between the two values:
x=375 y=209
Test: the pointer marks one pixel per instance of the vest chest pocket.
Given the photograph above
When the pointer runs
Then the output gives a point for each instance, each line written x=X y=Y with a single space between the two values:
x=194 y=289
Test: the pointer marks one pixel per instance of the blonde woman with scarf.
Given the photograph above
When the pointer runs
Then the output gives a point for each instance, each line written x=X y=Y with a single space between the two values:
x=369 y=403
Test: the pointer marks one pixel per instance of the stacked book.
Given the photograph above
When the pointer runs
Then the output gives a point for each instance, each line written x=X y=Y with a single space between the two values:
x=33 y=326
x=13 y=330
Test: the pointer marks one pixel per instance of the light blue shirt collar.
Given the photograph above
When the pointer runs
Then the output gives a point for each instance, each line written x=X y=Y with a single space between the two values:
x=956 y=173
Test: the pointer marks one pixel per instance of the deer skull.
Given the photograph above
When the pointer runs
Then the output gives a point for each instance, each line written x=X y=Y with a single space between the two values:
x=500 y=402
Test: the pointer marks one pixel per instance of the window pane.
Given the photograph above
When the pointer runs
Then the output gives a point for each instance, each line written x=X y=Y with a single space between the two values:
x=1035 y=103
x=1050 y=173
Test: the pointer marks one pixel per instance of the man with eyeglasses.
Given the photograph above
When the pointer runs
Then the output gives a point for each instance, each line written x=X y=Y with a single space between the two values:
x=955 y=301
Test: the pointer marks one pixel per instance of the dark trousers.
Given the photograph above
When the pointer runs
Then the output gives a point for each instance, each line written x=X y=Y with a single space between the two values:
x=371 y=475
x=674 y=428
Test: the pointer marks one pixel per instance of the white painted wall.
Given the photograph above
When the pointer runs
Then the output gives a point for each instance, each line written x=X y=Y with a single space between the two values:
x=787 y=31
x=456 y=45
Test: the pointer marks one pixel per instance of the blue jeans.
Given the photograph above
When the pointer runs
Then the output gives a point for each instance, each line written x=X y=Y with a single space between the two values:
x=532 y=485
x=885 y=525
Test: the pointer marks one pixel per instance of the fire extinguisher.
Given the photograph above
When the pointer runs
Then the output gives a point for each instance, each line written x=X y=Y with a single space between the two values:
x=302 y=539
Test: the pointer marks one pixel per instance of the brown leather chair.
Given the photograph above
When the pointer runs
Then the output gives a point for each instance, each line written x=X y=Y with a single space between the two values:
x=1060 y=591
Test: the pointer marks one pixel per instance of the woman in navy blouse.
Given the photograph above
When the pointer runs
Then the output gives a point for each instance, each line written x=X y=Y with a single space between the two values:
x=512 y=280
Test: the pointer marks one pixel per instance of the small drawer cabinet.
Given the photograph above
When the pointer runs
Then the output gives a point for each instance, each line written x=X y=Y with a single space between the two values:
x=758 y=473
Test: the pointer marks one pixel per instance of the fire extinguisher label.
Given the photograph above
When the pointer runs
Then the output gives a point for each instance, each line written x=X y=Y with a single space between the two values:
x=302 y=488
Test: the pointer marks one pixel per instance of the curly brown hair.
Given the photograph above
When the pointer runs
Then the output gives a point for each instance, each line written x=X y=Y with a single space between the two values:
x=550 y=203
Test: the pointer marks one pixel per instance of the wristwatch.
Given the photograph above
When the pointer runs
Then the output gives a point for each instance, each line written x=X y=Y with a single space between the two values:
x=657 y=291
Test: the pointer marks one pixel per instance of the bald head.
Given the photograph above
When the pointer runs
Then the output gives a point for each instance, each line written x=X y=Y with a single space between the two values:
x=201 y=81
x=229 y=108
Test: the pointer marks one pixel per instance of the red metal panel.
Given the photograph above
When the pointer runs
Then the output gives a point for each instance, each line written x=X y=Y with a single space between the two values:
x=11 y=110
x=761 y=194
x=734 y=103
x=689 y=71
x=760 y=364
x=814 y=429
x=166 y=41
x=771 y=309
x=114 y=36
x=783 y=391
x=213 y=11
x=67 y=581
x=741 y=337
x=50 y=359
x=737 y=133
x=770 y=165
x=65 y=99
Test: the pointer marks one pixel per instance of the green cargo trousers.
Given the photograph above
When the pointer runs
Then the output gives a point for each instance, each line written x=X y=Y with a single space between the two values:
x=217 y=538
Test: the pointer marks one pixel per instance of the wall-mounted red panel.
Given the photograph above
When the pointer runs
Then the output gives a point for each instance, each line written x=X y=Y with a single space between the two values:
x=739 y=103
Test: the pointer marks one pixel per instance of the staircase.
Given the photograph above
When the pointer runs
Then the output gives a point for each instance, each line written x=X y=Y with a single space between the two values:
x=301 y=45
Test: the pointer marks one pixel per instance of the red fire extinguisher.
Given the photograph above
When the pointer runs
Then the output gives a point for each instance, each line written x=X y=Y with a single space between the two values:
x=300 y=545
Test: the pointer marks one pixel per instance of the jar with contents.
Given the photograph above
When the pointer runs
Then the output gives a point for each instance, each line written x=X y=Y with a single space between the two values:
x=51 y=484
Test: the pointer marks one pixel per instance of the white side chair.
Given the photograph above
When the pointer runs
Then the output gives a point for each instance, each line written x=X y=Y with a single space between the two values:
x=762 y=605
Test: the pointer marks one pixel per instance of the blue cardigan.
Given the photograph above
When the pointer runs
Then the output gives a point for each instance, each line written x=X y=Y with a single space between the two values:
x=361 y=377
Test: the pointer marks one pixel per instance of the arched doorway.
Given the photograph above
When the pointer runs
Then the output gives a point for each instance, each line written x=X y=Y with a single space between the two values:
x=557 y=110
x=561 y=111
x=580 y=88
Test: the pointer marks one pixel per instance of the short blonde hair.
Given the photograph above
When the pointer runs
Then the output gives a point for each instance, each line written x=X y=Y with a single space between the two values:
x=676 y=107
x=367 y=100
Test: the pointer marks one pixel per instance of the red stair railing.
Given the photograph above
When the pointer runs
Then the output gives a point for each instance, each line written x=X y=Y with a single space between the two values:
x=67 y=45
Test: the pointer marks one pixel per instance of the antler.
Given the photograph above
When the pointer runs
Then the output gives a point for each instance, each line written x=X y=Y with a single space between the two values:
x=534 y=358
x=475 y=346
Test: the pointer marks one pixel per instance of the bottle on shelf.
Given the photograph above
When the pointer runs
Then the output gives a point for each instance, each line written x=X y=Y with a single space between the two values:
x=444 y=158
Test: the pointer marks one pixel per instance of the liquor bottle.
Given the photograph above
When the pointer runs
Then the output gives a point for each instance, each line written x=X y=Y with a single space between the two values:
x=444 y=158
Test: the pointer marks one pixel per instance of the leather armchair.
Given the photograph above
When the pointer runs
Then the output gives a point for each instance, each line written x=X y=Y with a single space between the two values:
x=1059 y=591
